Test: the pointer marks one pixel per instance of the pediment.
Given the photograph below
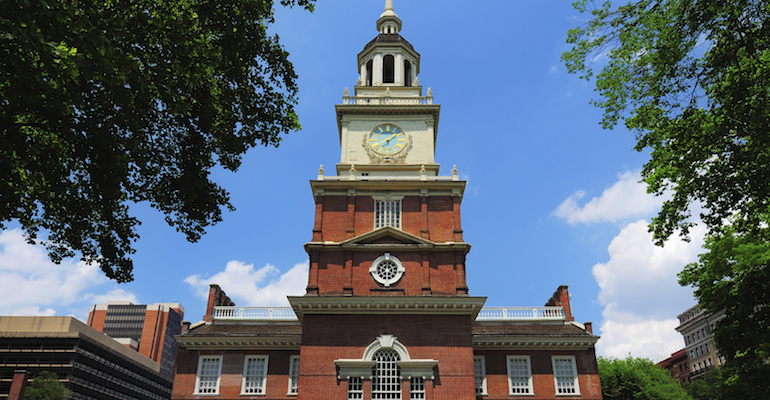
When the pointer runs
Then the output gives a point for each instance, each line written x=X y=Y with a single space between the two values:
x=388 y=236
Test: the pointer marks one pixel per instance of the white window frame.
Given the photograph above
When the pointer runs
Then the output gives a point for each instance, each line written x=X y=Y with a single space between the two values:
x=197 y=390
x=576 y=381
x=355 y=388
x=530 y=388
x=416 y=388
x=293 y=376
x=245 y=377
x=480 y=361
x=386 y=219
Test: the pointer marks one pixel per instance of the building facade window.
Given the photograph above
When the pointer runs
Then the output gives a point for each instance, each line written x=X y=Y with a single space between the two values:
x=386 y=377
x=355 y=388
x=480 y=373
x=293 y=374
x=207 y=378
x=565 y=375
x=387 y=213
x=519 y=375
x=254 y=375
x=416 y=388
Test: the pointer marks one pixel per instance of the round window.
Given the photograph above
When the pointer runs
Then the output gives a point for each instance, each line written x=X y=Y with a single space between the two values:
x=387 y=270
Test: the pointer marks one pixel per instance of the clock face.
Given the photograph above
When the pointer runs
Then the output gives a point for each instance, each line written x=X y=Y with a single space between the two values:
x=387 y=140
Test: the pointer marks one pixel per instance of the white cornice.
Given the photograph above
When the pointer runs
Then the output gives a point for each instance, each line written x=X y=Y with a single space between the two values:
x=238 y=342
x=535 y=342
x=372 y=305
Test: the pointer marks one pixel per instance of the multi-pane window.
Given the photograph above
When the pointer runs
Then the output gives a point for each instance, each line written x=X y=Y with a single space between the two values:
x=416 y=388
x=254 y=375
x=565 y=375
x=386 y=379
x=387 y=213
x=207 y=379
x=293 y=374
x=355 y=388
x=480 y=373
x=519 y=375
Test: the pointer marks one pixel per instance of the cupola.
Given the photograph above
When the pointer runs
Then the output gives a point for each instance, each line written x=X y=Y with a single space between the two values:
x=388 y=60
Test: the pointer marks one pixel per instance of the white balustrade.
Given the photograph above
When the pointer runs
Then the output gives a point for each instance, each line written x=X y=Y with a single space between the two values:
x=386 y=101
x=485 y=314
x=521 y=314
x=386 y=178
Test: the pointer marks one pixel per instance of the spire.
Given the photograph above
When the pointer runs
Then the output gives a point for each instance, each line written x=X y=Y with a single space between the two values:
x=388 y=22
x=389 y=9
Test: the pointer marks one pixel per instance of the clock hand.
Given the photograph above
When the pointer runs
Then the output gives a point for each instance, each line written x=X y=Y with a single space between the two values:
x=386 y=140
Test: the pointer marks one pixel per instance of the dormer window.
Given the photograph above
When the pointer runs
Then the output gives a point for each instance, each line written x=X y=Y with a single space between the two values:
x=388 y=69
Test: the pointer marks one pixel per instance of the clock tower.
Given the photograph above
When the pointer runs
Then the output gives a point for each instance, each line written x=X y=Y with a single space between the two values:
x=386 y=312
x=387 y=256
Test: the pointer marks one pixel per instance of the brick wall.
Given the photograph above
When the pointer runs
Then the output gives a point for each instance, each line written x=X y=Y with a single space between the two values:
x=232 y=373
x=542 y=373
x=330 y=337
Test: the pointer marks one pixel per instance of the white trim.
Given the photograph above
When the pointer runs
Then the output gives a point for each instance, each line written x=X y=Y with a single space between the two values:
x=292 y=376
x=261 y=389
x=398 y=269
x=363 y=367
x=215 y=392
x=482 y=362
x=530 y=390
x=576 y=382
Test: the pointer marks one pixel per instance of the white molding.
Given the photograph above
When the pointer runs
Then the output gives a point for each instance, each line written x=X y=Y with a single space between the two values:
x=530 y=384
x=264 y=374
x=535 y=342
x=575 y=377
x=196 y=389
x=238 y=342
x=433 y=305
x=409 y=367
x=398 y=273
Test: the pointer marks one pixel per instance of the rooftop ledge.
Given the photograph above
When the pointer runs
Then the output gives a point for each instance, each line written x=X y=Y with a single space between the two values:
x=486 y=314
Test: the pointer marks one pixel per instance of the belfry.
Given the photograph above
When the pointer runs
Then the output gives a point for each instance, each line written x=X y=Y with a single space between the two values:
x=387 y=313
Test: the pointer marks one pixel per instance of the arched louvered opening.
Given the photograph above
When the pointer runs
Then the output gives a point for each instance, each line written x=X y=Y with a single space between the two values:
x=369 y=73
x=388 y=69
x=386 y=377
x=407 y=73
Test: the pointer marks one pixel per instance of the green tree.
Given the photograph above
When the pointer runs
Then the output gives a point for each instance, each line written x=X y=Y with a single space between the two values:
x=709 y=387
x=637 y=378
x=734 y=276
x=46 y=386
x=692 y=80
x=108 y=102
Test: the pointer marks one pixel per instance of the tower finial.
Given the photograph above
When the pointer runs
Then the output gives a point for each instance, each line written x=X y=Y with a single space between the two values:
x=388 y=9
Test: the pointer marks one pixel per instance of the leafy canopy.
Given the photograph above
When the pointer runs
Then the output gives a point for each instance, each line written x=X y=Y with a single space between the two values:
x=692 y=79
x=637 y=378
x=734 y=276
x=108 y=102
x=46 y=386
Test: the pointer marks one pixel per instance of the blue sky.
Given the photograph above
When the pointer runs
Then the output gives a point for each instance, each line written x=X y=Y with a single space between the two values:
x=552 y=199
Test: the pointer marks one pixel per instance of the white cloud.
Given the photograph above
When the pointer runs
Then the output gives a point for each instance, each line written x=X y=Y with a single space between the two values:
x=117 y=294
x=625 y=199
x=41 y=287
x=640 y=292
x=624 y=334
x=242 y=282
x=553 y=70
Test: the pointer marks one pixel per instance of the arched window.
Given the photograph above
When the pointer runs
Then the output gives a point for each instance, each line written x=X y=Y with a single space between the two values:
x=386 y=377
x=388 y=69
x=407 y=73
x=369 y=73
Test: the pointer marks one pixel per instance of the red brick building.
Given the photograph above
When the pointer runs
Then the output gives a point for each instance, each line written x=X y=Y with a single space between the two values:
x=676 y=365
x=148 y=329
x=386 y=314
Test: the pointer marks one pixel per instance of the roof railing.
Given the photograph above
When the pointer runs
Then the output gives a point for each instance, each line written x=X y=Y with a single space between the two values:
x=486 y=314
